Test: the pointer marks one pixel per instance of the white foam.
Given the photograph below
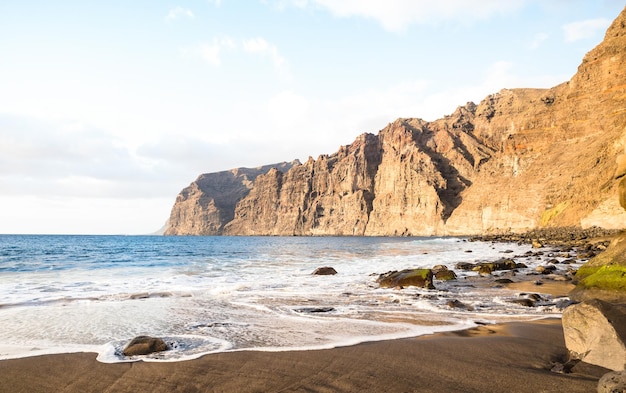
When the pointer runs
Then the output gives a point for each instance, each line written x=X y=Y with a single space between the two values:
x=254 y=302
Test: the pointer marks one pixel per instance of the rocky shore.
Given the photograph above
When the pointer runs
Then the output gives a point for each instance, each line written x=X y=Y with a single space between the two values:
x=592 y=239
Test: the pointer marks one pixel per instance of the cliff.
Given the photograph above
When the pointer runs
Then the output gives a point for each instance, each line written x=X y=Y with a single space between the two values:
x=520 y=159
x=207 y=204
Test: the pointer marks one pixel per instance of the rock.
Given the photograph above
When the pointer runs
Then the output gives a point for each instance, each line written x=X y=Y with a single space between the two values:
x=484 y=269
x=410 y=277
x=524 y=302
x=324 y=271
x=595 y=332
x=464 y=266
x=314 y=310
x=536 y=244
x=603 y=277
x=144 y=345
x=545 y=269
x=442 y=272
x=455 y=303
x=613 y=382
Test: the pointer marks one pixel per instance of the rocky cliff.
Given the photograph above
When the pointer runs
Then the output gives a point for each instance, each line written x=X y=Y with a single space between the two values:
x=520 y=159
x=207 y=204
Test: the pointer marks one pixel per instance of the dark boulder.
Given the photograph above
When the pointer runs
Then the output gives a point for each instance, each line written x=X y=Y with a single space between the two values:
x=441 y=272
x=409 y=277
x=324 y=271
x=144 y=345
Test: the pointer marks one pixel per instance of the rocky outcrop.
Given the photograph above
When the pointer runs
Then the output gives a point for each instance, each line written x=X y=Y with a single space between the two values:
x=207 y=204
x=520 y=159
x=595 y=332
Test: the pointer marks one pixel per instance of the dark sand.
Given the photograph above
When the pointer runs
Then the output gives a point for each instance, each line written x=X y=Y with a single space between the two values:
x=514 y=357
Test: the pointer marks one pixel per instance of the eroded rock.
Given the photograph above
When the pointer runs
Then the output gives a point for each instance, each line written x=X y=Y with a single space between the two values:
x=595 y=332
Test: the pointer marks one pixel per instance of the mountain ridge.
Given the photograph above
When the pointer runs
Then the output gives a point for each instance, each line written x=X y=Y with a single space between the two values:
x=520 y=159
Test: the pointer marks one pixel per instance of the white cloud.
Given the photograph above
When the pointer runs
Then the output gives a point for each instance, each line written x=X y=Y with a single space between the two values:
x=211 y=52
x=577 y=31
x=262 y=47
x=179 y=12
x=397 y=15
x=217 y=3
x=538 y=39
x=288 y=109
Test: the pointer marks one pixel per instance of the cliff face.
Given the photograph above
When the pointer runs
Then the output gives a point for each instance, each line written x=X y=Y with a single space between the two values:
x=521 y=159
x=207 y=204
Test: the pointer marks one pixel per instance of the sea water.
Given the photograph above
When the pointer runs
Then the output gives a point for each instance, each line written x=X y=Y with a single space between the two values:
x=204 y=295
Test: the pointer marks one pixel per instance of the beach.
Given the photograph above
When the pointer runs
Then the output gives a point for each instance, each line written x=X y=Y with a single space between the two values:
x=512 y=357
x=491 y=342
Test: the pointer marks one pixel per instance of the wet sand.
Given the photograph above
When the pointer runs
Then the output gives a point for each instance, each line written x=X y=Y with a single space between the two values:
x=513 y=357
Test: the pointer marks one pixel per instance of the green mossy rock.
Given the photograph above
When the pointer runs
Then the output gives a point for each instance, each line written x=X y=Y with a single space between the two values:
x=445 y=275
x=422 y=278
x=604 y=276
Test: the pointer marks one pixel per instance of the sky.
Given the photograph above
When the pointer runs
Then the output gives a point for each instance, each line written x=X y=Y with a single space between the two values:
x=108 y=109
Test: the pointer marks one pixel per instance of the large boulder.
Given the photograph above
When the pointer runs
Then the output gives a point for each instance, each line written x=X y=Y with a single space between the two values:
x=145 y=345
x=409 y=277
x=595 y=332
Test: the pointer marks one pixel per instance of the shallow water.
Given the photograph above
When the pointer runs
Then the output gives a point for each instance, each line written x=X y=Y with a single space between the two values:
x=211 y=294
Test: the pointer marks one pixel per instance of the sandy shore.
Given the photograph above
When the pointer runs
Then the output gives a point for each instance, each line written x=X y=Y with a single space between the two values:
x=514 y=357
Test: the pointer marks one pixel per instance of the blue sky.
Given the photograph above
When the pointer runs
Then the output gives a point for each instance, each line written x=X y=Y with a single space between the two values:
x=109 y=108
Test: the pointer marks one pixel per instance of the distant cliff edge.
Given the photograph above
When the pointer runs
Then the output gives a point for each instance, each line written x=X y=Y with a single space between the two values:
x=521 y=159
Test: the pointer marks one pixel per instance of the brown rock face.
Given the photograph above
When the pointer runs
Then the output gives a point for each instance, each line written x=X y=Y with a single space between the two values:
x=209 y=203
x=521 y=159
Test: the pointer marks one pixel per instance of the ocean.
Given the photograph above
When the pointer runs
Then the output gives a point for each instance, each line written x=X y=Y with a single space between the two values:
x=61 y=294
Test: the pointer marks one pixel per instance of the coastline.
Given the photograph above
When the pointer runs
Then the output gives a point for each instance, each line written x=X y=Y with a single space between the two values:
x=515 y=357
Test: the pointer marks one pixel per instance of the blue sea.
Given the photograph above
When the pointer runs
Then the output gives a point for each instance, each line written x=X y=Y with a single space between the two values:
x=61 y=294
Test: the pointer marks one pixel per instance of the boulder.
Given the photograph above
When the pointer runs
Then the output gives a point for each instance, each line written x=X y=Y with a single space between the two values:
x=455 y=303
x=144 y=345
x=613 y=382
x=324 y=271
x=595 y=332
x=409 y=277
x=441 y=272
x=314 y=310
